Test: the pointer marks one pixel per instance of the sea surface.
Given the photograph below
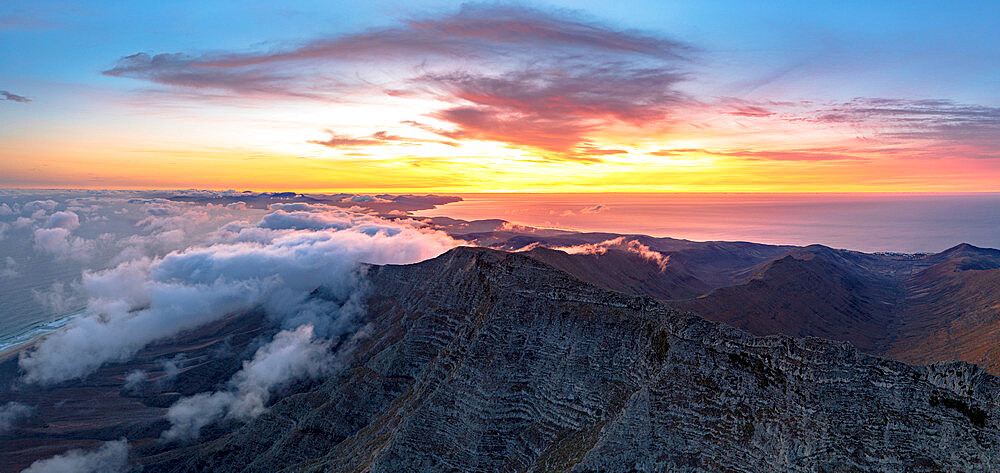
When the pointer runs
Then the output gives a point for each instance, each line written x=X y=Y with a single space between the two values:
x=905 y=223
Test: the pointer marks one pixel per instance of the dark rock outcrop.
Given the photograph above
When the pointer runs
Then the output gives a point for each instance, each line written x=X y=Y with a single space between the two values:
x=488 y=361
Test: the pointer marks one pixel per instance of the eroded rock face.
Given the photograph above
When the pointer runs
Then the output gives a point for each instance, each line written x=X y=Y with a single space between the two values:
x=487 y=361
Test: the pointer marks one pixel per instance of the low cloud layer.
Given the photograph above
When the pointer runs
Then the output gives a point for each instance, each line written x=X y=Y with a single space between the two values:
x=291 y=355
x=621 y=244
x=110 y=457
x=274 y=265
x=12 y=413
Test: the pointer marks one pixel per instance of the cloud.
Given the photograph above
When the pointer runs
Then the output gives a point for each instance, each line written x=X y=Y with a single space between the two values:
x=21 y=21
x=974 y=130
x=9 y=268
x=66 y=219
x=172 y=367
x=554 y=107
x=594 y=209
x=52 y=240
x=275 y=265
x=134 y=379
x=58 y=242
x=59 y=298
x=292 y=354
x=804 y=154
x=524 y=77
x=110 y=457
x=475 y=32
x=11 y=413
x=622 y=244
x=4 y=95
x=34 y=206
x=750 y=111
x=375 y=139
x=365 y=199
x=514 y=227
x=5 y=209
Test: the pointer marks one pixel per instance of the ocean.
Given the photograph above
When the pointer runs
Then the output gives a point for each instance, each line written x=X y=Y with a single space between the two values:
x=906 y=223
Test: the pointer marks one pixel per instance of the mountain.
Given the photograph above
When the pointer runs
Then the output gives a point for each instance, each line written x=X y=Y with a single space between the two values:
x=626 y=272
x=952 y=310
x=919 y=308
x=812 y=291
x=711 y=264
x=481 y=360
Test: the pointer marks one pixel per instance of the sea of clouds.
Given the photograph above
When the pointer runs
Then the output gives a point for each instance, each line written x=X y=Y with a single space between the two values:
x=159 y=267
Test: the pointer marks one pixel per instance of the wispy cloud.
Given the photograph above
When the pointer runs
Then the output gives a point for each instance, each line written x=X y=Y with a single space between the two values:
x=4 y=95
x=522 y=77
x=110 y=457
x=555 y=109
x=378 y=138
x=802 y=154
x=974 y=128
x=22 y=21
x=557 y=86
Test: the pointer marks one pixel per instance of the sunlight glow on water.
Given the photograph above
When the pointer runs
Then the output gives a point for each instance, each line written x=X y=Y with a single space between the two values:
x=910 y=223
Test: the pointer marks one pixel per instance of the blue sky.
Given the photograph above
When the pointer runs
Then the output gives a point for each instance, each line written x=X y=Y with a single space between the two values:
x=928 y=49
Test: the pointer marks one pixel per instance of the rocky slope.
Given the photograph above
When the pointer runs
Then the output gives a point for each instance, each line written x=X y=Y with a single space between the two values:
x=914 y=308
x=489 y=361
x=481 y=360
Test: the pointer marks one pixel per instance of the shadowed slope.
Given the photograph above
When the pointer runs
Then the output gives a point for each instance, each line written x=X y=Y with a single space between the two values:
x=487 y=361
x=952 y=310
x=806 y=294
x=625 y=272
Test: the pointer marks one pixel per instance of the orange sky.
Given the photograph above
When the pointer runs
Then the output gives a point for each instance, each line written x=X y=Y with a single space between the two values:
x=492 y=99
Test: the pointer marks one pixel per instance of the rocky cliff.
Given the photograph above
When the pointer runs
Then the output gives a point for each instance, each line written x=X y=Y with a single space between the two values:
x=481 y=360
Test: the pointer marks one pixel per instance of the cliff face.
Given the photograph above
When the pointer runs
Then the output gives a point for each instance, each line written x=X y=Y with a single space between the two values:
x=480 y=360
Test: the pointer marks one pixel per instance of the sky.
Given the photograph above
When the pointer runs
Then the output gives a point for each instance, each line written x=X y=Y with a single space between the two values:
x=554 y=96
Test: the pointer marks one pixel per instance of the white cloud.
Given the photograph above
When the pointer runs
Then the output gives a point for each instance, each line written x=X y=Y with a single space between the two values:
x=33 y=207
x=65 y=219
x=275 y=265
x=52 y=240
x=134 y=379
x=11 y=413
x=364 y=199
x=620 y=243
x=293 y=354
x=110 y=457
x=58 y=242
x=59 y=298
x=297 y=206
